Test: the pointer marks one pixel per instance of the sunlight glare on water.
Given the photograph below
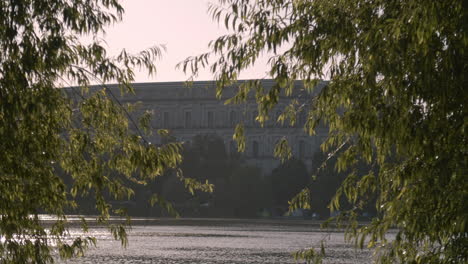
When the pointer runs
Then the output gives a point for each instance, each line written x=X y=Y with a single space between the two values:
x=223 y=242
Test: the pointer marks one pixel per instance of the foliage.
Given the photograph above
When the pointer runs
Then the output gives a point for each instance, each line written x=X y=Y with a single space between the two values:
x=82 y=133
x=245 y=193
x=287 y=180
x=327 y=182
x=396 y=100
x=239 y=189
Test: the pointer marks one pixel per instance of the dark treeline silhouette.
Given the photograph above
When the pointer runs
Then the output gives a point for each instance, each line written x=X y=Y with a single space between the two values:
x=240 y=189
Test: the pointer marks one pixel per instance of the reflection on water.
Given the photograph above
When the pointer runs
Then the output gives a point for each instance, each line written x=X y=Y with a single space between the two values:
x=214 y=242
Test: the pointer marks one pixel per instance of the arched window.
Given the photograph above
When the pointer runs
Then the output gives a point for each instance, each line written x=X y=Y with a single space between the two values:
x=232 y=148
x=233 y=118
x=302 y=149
x=255 y=149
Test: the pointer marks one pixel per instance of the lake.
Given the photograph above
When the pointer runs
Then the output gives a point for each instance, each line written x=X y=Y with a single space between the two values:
x=215 y=241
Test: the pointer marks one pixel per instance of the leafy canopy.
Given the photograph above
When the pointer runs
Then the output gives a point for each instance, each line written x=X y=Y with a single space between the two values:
x=396 y=99
x=48 y=133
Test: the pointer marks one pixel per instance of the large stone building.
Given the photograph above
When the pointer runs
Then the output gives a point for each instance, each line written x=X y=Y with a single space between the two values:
x=191 y=110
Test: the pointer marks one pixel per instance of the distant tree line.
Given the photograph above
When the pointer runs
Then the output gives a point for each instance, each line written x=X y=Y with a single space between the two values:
x=241 y=190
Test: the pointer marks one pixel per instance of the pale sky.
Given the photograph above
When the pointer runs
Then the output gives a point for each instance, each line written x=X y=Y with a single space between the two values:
x=183 y=26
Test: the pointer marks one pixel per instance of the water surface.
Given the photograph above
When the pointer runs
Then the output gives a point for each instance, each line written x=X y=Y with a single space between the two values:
x=218 y=241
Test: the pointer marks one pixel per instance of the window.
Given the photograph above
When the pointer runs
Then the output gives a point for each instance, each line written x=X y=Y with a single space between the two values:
x=255 y=149
x=188 y=119
x=278 y=113
x=232 y=148
x=303 y=146
x=233 y=118
x=302 y=118
x=254 y=115
x=210 y=119
x=166 y=120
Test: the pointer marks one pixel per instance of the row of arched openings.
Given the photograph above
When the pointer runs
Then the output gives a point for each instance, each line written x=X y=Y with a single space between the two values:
x=301 y=148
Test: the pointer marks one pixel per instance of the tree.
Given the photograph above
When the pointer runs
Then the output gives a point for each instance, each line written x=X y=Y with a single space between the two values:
x=240 y=190
x=396 y=99
x=85 y=134
x=246 y=193
x=204 y=159
x=287 y=180
x=327 y=181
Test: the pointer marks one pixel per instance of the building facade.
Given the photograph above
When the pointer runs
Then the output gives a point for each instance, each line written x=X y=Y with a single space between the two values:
x=192 y=110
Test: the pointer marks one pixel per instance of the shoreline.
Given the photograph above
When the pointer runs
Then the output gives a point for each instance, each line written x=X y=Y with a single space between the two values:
x=75 y=221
